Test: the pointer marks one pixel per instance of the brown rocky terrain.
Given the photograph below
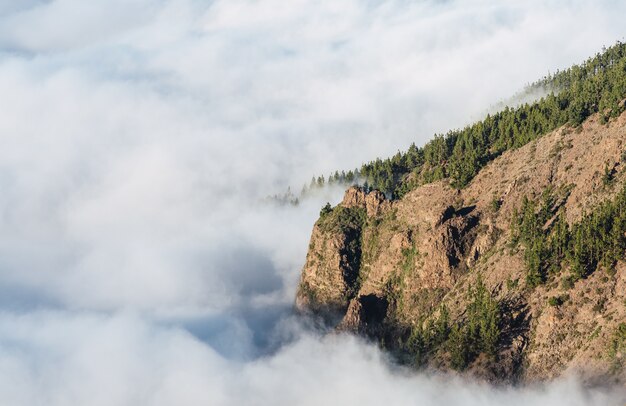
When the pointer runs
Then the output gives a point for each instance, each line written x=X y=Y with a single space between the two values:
x=381 y=268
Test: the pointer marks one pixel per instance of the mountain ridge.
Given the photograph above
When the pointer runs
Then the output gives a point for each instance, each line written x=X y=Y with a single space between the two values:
x=443 y=279
x=570 y=96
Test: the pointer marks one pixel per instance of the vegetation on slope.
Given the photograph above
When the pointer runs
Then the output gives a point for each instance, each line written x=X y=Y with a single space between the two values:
x=478 y=333
x=550 y=244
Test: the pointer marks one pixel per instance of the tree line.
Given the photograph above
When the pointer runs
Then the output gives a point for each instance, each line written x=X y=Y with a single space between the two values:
x=597 y=85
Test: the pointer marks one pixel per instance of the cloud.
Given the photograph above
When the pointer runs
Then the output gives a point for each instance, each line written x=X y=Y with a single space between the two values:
x=139 y=138
x=59 y=359
x=143 y=148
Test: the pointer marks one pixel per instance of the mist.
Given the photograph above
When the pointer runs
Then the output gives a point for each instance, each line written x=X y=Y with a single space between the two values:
x=139 y=263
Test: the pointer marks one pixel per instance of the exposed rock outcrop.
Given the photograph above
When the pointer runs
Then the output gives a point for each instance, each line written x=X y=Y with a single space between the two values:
x=381 y=267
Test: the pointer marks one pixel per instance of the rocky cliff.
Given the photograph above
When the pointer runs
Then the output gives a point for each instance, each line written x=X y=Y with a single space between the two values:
x=440 y=279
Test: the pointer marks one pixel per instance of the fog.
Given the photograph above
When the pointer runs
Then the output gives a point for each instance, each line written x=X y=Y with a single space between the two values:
x=139 y=263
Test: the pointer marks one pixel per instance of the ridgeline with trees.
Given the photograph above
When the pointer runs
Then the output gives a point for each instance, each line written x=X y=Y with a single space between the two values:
x=596 y=86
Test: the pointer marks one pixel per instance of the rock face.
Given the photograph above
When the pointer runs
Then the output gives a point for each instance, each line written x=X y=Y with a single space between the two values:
x=380 y=268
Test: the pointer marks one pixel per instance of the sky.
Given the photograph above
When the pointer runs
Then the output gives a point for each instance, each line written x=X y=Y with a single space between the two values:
x=139 y=263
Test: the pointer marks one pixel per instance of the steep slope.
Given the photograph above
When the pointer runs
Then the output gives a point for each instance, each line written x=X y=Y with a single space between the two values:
x=443 y=278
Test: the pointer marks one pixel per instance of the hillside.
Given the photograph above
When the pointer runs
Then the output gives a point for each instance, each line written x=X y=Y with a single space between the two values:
x=518 y=276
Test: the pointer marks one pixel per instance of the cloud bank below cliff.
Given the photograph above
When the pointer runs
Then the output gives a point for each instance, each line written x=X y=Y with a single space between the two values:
x=137 y=265
x=77 y=359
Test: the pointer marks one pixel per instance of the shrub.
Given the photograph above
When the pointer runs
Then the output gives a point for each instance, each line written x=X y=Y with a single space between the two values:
x=327 y=209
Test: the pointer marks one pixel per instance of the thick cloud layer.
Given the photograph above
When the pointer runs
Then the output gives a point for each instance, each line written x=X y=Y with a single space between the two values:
x=137 y=262
x=121 y=360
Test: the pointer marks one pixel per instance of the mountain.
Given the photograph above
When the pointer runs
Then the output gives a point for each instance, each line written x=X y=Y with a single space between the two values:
x=510 y=263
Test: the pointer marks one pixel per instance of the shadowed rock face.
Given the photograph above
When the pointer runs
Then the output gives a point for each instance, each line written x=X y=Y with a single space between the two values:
x=379 y=268
x=373 y=309
x=333 y=262
x=366 y=315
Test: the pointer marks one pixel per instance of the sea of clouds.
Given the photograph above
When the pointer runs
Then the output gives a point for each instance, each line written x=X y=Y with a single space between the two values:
x=139 y=264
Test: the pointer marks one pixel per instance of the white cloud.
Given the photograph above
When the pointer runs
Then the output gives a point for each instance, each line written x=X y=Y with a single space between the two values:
x=76 y=359
x=139 y=137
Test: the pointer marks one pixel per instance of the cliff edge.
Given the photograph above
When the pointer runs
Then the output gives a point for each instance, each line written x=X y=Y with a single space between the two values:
x=487 y=280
